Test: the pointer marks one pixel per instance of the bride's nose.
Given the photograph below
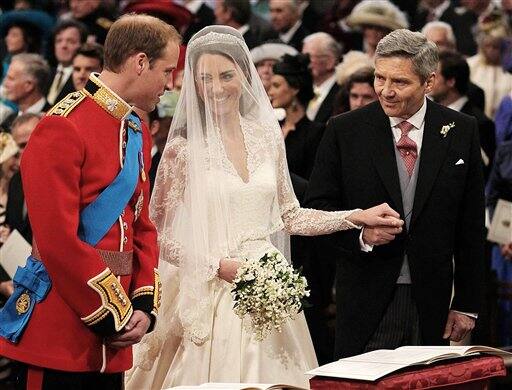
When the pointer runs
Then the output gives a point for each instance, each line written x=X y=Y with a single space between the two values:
x=217 y=87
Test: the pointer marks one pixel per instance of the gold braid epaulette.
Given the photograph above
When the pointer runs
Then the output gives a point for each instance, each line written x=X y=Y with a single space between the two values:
x=68 y=104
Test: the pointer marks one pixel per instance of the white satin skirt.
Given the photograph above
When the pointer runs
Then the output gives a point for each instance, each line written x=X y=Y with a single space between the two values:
x=230 y=355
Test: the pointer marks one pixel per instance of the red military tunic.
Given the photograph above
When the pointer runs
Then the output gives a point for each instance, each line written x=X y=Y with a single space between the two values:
x=74 y=153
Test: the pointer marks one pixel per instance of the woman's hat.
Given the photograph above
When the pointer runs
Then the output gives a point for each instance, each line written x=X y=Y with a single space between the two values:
x=271 y=51
x=380 y=13
x=352 y=62
x=8 y=147
x=167 y=10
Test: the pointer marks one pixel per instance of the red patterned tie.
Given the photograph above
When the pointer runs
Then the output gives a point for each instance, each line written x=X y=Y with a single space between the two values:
x=407 y=147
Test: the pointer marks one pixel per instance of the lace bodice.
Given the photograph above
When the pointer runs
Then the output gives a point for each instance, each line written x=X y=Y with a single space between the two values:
x=264 y=204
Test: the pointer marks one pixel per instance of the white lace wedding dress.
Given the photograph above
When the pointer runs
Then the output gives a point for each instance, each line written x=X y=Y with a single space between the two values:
x=231 y=354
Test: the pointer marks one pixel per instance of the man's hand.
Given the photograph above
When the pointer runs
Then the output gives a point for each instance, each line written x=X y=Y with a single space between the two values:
x=506 y=251
x=458 y=326
x=381 y=215
x=380 y=235
x=133 y=332
x=6 y=288
x=228 y=268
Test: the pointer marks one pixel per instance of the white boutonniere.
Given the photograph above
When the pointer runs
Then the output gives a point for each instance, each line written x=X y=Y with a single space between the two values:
x=446 y=128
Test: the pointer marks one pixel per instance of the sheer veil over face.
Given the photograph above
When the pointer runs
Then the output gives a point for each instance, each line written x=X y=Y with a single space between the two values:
x=224 y=130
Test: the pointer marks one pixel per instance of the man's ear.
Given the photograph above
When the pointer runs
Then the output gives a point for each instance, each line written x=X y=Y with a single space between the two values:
x=141 y=62
x=154 y=127
x=451 y=82
x=429 y=84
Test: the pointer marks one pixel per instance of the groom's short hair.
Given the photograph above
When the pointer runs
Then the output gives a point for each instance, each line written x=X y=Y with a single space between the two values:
x=132 y=34
x=413 y=45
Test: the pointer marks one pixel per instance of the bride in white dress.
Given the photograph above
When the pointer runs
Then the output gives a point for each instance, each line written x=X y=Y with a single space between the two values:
x=222 y=190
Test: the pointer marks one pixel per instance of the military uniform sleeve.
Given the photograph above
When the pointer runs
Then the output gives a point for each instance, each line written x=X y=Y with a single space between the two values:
x=51 y=174
x=146 y=286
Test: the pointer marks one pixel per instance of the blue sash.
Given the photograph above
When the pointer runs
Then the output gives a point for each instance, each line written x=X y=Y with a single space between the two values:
x=32 y=282
x=99 y=216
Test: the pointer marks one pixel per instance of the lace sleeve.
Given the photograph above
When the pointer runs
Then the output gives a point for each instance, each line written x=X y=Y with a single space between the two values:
x=167 y=196
x=303 y=221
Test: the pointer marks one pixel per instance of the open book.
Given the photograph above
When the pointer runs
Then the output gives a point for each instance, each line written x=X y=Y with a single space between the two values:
x=239 y=386
x=373 y=365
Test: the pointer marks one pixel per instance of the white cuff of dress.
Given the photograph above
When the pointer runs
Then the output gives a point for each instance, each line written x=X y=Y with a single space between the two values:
x=472 y=315
x=364 y=247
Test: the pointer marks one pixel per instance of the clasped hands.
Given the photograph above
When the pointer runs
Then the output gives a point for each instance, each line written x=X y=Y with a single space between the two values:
x=133 y=331
x=381 y=224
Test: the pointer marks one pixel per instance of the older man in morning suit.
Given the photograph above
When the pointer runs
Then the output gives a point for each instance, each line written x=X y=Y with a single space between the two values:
x=423 y=159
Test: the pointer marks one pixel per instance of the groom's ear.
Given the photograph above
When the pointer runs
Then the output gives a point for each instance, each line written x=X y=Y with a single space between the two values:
x=138 y=62
x=429 y=83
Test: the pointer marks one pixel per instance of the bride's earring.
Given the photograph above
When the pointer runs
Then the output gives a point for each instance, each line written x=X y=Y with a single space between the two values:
x=294 y=104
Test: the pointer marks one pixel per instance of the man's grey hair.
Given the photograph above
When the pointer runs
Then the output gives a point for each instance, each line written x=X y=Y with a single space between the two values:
x=413 y=45
x=24 y=118
x=35 y=67
x=293 y=4
x=441 y=25
x=327 y=42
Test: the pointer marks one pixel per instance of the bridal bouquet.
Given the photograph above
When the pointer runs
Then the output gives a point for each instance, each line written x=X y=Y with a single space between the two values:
x=268 y=291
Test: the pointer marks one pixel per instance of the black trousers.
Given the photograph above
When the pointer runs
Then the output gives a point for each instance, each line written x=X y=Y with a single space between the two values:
x=399 y=325
x=58 y=380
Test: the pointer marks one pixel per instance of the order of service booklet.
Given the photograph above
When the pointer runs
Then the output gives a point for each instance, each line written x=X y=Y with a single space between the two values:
x=501 y=226
x=374 y=365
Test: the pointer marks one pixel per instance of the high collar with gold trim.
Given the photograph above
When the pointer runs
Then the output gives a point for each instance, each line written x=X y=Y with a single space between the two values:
x=106 y=98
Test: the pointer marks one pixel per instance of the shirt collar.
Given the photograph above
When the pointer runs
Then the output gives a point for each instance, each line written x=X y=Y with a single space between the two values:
x=35 y=108
x=459 y=103
x=243 y=29
x=193 y=5
x=325 y=87
x=287 y=36
x=439 y=10
x=416 y=120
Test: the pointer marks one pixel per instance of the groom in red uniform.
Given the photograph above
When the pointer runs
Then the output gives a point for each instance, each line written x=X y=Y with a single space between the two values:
x=90 y=289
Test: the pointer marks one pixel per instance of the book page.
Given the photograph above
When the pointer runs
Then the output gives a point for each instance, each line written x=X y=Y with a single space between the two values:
x=501 y=225
x=404 y=357
x=14 y=252
x=355 y=370
x=459 y=350
x=247 y=386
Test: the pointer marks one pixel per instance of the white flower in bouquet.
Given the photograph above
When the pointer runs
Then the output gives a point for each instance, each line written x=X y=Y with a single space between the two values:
x=267 y=292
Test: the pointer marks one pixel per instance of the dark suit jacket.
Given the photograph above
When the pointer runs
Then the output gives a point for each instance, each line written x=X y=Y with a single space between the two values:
x=67 y=88
x=487 y=134
x=301 y=146
x=356 y=168
x=204 y=17
x=325 y=111
x=14 y=212
x=462 y=24
x=262 y=29
x=298 y=37
x=155 y=160
x=476 y=96
x=251 y=39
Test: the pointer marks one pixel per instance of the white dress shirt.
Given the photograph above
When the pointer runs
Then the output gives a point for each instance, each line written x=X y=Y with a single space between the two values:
x=287 y=36
x=321 y=92
x=416 y=134
x=458 y=104
x=243 y=29
x=35 y=108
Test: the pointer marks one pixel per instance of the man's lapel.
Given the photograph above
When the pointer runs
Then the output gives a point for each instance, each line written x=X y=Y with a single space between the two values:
x=433 y=153
x=384 y=156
